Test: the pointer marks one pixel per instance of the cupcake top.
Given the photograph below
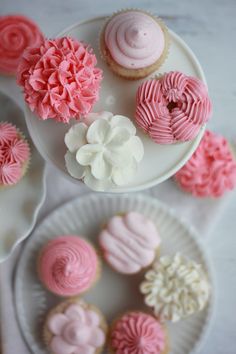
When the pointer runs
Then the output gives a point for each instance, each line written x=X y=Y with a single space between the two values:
x=129 y=242
x=17 y=32
x=172 y=108
x=14 y=154
x=68 y=265
x=78 y=328
x=137 y=333
x=211 y=171
x=175 y=287
x=129 y=36
x=103 y=151
x=60 y=79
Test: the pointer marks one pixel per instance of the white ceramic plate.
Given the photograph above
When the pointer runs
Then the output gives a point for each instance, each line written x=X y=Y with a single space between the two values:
x=19 y=205
x=114 y=293
x=118 y=96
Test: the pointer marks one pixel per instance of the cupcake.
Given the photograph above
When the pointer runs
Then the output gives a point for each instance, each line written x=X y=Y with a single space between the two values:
x=68 y=266
x=126 y=43
x=74 y=326
x=211 y=171
x=172 y=108
x=60 y=79
x=14 y=155
x=17 y=32
x=103 y=151
x=138 y=333
x=129 y=242
x=175 y=287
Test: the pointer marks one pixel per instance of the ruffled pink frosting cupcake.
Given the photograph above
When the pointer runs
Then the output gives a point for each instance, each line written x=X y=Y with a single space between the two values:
x=60 y=79
x=138 y=333
x=211 y=171
x=68 y=266
x=17 y=32
x=14 y=155
x=173 y=108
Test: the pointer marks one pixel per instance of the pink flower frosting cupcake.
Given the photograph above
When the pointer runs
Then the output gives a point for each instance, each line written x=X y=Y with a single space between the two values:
x=138 y=333
x=129 y=242
x=60 y=79
x=74 y=327
x=211 y=171
x=14 y=155
x=172 y=108
x=68 y=266
x=17 y=32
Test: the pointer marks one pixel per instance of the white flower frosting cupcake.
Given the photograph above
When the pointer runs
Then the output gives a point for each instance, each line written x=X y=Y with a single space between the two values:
x=103 y=151
x=175 y=288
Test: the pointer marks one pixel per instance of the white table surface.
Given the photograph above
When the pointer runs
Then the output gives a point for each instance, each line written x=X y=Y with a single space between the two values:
x=209 y=27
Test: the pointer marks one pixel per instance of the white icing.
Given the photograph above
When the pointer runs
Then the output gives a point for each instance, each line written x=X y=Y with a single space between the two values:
x=175 y=288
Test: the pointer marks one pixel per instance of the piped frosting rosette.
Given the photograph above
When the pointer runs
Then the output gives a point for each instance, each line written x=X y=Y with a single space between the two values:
x=172 y=108
x=103 y=151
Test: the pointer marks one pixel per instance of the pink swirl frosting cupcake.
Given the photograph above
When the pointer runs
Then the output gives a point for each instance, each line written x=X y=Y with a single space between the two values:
x=14 y=155
x=211 y=171
x=60 y=79
x=138 y=333
x=173 y=108
x=68 y=266
x=17 y=32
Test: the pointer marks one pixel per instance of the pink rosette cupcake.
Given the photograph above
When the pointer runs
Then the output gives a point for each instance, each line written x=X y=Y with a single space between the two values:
x=211 y=171
x=138 y=333
x=17 y=32
x=60 y=79
x=74 y=326
x=172 y=108
x=68 y=266
x=14 y=155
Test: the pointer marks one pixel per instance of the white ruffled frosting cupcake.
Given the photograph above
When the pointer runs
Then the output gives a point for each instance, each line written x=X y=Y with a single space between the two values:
x=103 y=151
x=175 y=287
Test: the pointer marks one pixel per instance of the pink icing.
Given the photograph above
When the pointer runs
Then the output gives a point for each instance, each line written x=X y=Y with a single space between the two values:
x=137 y=333
x=129 y=242
x=211 y=171
x=16 y=33
x=129 y=37
x=60 y=79
x=75 y=331
x=172 y=108
x=68 y=265
x=14 y=154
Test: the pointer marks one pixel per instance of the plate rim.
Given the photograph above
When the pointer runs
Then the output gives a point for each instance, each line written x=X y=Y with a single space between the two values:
x=192 y=232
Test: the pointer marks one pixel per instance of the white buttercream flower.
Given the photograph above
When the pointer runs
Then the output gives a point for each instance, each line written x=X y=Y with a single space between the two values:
x=103 y=150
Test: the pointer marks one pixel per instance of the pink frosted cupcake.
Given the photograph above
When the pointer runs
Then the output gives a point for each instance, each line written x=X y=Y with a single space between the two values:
x=74 y=326
x=17 y=32
x=68 y=266
x=211 y=171
x=138 y=333
x=172 y=108
x=60 y=79
x=129 y=242
x=14 y=155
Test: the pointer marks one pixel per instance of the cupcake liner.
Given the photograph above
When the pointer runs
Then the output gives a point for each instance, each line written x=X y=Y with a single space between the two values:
x=133 y=74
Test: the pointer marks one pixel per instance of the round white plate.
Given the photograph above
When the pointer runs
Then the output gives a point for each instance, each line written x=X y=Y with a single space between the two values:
x=19 y=205
x=114 y=293
x=118 y=96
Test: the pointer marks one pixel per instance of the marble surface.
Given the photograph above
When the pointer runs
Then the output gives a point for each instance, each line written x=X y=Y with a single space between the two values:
x=209 y=27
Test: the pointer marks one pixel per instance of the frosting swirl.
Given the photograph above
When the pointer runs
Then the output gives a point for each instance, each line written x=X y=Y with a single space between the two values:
x=129 y=37
x=137 y=333
x=175 y=288
x=172 y=108
x=68 y=265
x=7 y=133
x=129 y=242
x=211 y=171
x=16 y=33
